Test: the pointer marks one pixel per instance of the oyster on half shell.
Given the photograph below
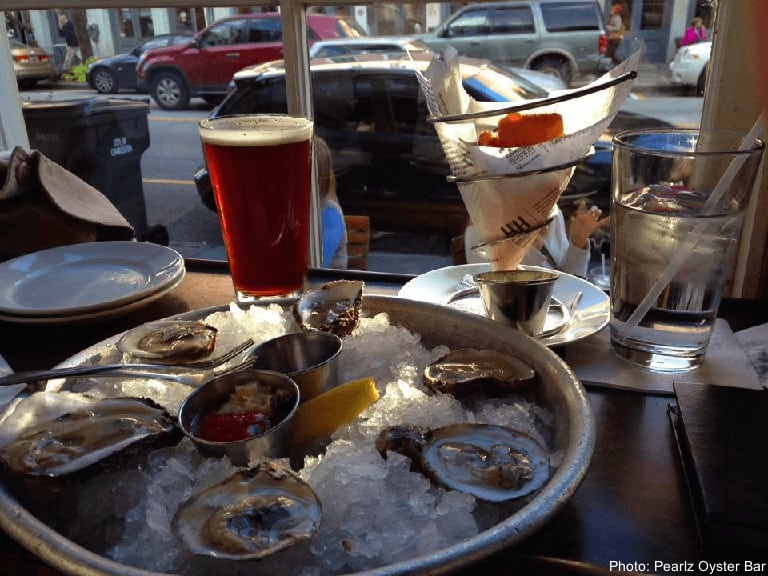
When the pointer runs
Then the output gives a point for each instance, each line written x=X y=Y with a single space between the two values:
x=334 y=308
x=250 y=515
x=493 y=463
x=56 y=434
x=466 y=371
x=169 y=341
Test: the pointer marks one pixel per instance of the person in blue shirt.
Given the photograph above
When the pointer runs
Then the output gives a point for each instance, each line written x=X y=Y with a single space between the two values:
x=331 y=214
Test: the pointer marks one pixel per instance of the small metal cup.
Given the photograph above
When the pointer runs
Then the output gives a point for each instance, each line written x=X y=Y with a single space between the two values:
x=310 y=358
x=519 y=298
x=275 y=442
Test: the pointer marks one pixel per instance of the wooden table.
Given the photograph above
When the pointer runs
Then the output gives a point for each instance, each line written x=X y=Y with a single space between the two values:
x=631 y=507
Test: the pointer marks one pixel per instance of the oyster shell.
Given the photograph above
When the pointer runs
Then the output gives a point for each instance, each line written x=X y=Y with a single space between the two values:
x=493 y=463
x=56 y=434
x=466 y=371
x=334 y=308
x=250 y=515
x=169 y=341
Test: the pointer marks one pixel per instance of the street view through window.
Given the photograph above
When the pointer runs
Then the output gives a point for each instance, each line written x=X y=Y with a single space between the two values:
x=162 y=70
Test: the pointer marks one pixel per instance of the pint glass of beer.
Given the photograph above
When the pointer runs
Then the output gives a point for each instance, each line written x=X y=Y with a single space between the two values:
x=260 y=168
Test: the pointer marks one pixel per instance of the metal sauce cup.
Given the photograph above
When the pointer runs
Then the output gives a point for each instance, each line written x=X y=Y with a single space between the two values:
x=519 y=298
x=273 y=443
x=310 y=358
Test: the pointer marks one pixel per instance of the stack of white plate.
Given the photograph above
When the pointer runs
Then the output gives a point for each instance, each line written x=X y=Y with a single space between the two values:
x=84 y=282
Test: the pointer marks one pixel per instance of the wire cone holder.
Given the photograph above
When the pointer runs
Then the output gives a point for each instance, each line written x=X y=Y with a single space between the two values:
x=510 y=193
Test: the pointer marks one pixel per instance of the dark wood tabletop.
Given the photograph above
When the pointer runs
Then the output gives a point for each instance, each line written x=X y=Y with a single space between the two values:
x=632 y=507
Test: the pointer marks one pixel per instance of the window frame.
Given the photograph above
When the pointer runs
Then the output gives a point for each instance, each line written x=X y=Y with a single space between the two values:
x=500 y=21
x=730 y=100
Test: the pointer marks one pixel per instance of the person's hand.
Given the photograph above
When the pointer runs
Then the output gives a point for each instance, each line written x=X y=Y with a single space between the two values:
x=538 y=241
x=583 y=224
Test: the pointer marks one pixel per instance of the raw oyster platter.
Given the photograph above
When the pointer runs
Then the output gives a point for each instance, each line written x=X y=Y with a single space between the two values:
x=445 y=467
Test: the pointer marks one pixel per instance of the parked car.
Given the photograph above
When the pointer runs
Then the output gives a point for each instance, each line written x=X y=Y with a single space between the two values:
x=31 y=64
x=689 y=66
x=367 y=45
x=546 y=82
x=412 y=45
x=205 y=65
x=118 y=72
x=564 y=38
x=388 y=160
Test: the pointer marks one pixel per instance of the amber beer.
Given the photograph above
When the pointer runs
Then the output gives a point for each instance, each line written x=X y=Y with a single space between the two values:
x=260 y=169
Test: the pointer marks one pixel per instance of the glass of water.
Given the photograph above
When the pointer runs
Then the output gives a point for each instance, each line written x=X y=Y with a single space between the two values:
x=677 y=206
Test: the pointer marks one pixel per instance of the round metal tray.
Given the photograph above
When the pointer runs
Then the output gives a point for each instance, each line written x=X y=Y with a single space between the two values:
x=560 y=392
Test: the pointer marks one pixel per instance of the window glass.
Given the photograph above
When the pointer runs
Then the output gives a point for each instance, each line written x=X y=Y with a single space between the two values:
x=563 y=17
x=126 y=22
x=265 y=30
x=472 y=23
x=652 y=15
x=390 y=164
x=154 y=43
x=348 y=27
x=402 y=92
x=265 y=96
x=332 y=95
x=146 y=24
x=490 y=83
x=224 y=34
x=512 y=20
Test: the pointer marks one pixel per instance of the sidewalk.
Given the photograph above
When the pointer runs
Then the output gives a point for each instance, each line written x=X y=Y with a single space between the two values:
x=651 y=78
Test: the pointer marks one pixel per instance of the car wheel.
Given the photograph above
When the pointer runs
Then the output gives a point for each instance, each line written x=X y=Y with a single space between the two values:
x=701 y=82
x=104 y=82
x=169 y=91
x=555 y=67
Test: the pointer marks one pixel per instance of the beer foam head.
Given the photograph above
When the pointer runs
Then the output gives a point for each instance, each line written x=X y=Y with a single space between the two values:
x=255 y=130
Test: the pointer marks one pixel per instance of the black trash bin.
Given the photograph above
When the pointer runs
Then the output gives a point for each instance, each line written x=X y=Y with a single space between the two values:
x=101 y=141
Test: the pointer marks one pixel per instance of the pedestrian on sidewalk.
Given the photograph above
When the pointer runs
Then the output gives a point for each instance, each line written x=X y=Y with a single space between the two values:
x=615 y=27
x=67 y=31
x=695 y=33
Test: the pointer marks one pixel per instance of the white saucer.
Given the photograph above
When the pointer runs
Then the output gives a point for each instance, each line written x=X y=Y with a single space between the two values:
x=97 y=315
x=591 y=315
x=83 y=279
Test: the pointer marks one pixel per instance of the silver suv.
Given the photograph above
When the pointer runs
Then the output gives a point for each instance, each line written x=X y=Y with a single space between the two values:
x=564 y=38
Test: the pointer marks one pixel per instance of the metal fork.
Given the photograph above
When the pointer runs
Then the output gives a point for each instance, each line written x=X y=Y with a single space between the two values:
x=178 y=373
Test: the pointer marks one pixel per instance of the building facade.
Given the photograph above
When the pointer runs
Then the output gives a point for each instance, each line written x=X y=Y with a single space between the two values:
x=658 y=24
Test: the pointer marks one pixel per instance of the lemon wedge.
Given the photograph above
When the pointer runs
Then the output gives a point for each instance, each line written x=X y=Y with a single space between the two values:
x=321 y=415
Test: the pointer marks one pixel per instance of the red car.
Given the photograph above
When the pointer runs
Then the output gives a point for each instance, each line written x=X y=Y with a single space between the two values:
x=204 y=66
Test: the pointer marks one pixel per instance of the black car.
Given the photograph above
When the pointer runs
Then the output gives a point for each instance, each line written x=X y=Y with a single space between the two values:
x=388 y=160
x=118 y=72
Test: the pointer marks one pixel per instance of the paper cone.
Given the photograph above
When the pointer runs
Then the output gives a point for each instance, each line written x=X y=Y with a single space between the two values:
x=508 y=213
x=504 y=209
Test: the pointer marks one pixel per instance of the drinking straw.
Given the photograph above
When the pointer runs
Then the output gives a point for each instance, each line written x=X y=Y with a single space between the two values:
x=694 y=235
x=603 y=263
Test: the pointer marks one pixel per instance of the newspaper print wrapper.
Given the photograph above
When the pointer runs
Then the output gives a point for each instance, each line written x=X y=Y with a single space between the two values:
x=509 y=211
